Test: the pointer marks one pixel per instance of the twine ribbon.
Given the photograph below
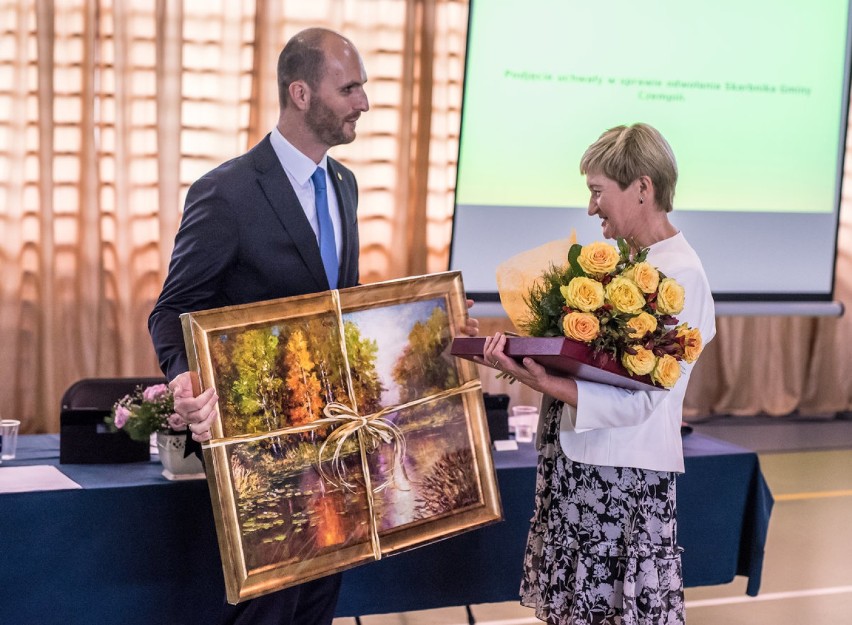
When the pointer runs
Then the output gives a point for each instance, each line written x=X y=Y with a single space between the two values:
x=372 y=431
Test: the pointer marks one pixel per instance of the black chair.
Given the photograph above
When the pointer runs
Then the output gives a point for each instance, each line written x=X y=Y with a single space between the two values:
x=84 y=438
x=102 y=393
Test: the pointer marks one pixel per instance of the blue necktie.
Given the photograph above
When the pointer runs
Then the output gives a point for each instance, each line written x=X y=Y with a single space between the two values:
x=328 y=249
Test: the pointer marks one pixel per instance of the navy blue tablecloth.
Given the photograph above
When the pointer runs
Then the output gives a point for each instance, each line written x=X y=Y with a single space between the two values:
x=131 y=547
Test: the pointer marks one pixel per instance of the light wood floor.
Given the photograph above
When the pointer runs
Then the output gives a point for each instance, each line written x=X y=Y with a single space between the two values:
x=807 y=573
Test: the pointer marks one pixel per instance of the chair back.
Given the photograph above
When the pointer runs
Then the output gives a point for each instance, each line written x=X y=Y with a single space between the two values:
x=102 y=393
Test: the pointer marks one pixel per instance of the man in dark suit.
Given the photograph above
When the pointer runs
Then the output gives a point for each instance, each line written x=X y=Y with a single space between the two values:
x=252 y=230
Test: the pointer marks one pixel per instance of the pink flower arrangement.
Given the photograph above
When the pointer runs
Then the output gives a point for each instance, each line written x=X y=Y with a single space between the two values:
x=145 y=411
x=154 y=393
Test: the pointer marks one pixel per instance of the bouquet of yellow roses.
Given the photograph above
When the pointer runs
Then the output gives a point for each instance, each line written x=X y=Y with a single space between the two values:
x=619 y=305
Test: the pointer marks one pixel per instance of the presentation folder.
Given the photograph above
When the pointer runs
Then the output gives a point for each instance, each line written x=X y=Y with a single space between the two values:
x=561 y=355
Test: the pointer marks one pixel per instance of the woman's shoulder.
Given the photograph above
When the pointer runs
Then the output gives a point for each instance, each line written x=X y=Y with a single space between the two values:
x=678 y=260
x=676 y=257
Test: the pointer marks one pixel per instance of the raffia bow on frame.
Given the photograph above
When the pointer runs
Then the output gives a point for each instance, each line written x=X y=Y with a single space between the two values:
x=371 y=430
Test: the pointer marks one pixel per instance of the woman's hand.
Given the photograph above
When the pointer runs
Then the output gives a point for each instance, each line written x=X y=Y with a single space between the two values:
x=528 y=371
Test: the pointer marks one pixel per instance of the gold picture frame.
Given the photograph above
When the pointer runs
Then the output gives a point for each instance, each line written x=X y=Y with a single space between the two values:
x=345 y=430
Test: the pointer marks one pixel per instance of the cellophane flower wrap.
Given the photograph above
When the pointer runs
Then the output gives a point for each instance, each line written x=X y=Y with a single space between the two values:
x=620 y=305
x=145 y=411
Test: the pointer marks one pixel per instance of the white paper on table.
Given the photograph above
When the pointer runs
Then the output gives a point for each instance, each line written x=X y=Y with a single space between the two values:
x=505 y=445
x=32 y=478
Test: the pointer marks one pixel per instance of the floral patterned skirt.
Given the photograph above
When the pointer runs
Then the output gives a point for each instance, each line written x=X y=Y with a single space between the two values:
x=602 y=547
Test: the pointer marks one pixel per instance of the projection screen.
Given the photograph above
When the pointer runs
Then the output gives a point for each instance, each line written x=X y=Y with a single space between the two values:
x=752 y=95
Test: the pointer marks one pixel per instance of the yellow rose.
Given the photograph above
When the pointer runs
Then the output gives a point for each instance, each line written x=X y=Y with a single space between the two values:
x=667 y=371
x=642 y=324
x=581 y=326
x=624 y=295
x=598 y=258
x=640 y=363
x=670 y=297
x=646 y=277
x=583 y=294
x=692 y=342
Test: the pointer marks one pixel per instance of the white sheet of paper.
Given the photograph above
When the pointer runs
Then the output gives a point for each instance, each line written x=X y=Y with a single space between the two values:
x=507 y=445
x=32 y=478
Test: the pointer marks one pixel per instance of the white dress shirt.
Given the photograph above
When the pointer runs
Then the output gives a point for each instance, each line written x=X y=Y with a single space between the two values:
x=299 y=169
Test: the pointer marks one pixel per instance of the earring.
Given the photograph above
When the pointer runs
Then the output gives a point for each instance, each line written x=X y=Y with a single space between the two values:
x=641 y=200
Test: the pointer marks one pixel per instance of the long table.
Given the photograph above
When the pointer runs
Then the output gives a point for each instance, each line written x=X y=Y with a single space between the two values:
x=131 y=547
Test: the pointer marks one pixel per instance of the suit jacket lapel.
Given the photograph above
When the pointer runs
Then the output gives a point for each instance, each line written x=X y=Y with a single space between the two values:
x=279 y=192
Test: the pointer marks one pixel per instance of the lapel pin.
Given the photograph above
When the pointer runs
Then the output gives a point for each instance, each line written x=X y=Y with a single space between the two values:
x=339 y=177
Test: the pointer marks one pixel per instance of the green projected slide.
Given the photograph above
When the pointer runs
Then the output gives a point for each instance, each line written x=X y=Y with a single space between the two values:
x=749 y=93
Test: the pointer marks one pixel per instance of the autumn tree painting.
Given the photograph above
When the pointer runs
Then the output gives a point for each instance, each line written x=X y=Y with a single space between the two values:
x=329 y=365
x=362 y=352
x=425 y=366
x=257 y=391
x=303 y=390
x=284 y=374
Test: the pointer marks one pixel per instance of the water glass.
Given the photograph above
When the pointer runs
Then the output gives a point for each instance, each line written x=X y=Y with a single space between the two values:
x=8 y=438
x=524 y=420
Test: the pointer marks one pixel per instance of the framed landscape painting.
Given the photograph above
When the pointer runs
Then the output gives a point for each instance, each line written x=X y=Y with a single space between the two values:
x=346 y=430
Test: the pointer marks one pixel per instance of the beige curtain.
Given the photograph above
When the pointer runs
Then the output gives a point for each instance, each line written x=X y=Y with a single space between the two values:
x=782 y=365
x=109 y=109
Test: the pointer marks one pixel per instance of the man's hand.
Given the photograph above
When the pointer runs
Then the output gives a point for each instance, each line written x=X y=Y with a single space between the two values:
x=471 y=325
x=197 y=412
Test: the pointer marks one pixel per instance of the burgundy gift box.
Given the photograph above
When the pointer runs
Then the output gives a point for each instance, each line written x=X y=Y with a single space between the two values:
x=560 y=354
